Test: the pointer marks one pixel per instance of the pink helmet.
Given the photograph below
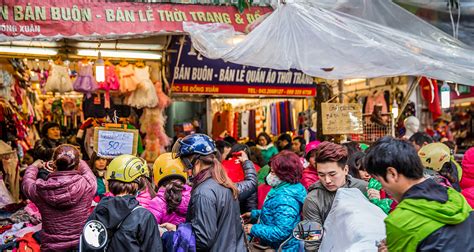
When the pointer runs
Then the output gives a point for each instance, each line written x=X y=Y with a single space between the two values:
x=311 y=146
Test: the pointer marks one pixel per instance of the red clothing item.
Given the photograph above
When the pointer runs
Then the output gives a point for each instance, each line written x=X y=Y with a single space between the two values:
x=28 y=244
x=431 y=95
x=234 y=169
x=310 y=176
x=262 y=192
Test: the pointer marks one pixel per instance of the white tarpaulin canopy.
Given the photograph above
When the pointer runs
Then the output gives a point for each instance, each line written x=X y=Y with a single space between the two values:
x=341 y=39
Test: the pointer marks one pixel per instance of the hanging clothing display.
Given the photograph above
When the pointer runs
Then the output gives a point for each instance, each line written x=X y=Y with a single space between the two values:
x=144 y=96
x=377 y=98
x=58 y=80
x=111 y=83
x=245 y=124
x=5 y=84
x=429 y=91
x=128 y=81
x=252 y=125
x=152 y=124
x=85 y=81
x=222 y=121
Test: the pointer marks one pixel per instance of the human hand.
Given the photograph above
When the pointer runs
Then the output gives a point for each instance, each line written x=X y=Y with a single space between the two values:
x=248 y=228
x=243 y=156
x=382 y=246
x=246 y=217
x=38 y=163
x=168 y=226
x=373 y=194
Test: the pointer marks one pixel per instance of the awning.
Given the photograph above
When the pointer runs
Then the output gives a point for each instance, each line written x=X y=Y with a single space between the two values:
x=93 y=20
x=339 y=39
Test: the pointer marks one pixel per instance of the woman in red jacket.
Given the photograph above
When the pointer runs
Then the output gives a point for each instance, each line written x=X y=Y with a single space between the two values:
x=63 y=198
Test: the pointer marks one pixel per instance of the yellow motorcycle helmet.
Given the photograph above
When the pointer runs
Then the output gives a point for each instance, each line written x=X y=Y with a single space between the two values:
x=433 y=156
x=126 y=168
x=165 y=166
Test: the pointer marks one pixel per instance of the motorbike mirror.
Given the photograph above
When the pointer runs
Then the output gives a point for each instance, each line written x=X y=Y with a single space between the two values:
x=94 y=234
x=308 y=231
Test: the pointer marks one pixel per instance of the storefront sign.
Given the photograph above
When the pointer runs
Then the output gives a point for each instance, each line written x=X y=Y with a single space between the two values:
x=339 y=118
x=115 y=142
x=74 y=18
x=198 y=75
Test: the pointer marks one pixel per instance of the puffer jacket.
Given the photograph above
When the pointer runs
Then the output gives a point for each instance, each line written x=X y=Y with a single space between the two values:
x=63 y=200
x=279 y=216
x=467 y=181
x=248 y=188
x=319 y=201
x=144 y=198
x=158 y=208
x=268 y=152
x=44 y=148
x=214 y=215
x=132 y=228
x=310 y=176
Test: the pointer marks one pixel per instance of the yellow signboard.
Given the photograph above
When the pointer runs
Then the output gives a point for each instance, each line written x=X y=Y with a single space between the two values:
x=339 y=118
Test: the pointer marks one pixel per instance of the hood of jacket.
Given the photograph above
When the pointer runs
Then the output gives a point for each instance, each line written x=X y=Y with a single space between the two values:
x=62 y=188
x=111 y=211
x=296 y=191
x=436 y=202
x=185 y=197
x=270 y=145
x=468 y=169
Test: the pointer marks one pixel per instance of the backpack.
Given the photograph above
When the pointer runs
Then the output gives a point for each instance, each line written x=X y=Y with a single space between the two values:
x=110 y=233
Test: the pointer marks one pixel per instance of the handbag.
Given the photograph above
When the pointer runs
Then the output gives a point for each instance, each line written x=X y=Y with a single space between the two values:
x=256 y=247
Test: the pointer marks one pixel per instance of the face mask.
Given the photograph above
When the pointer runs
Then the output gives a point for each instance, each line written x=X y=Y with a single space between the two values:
x=101 y=173
x=273 y=180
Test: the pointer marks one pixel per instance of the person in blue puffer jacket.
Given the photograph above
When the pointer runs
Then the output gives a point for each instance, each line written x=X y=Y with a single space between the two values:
x=281 y=211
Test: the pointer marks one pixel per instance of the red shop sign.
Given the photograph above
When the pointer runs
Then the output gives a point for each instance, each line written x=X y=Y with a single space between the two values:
x=22 y=19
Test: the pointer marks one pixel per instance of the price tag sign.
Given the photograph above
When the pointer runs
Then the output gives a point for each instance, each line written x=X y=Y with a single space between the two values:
x=111 y=143
x=341 y=118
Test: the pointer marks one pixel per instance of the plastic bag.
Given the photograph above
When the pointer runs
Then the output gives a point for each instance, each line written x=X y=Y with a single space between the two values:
x=5 y=195
x=353 y=224
x=341 y=40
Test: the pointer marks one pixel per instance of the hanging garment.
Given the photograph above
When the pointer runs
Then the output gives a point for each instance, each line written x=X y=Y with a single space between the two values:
x=12 y=175
x=252 y=126
x=376 y=99
x=111 y=83
x=259 y=121
x=218 y=125
x=127 y=79
x=152 y=124
x=85 y=82
x=5 y=84
x=235 y=126
x=274 y=119
x=58 y=80
x=431 y=95
x=144 y=96
x=245 y=124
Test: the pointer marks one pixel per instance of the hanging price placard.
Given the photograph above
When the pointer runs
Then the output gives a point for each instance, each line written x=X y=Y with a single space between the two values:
x=110 y=142
x=341 y=118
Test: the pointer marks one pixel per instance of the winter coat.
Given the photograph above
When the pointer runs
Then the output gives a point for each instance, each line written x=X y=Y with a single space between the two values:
x=129 y=230
x=279 y=216
x=144 y=198
x=63 y=200
x=431 y=217
x=44 y=148
x=268 y=152
x=215 y=217
x=319 y=201
x=248 y=187
x=467 y=181
x=262 y=174
x=158 y=207
x=310 y=176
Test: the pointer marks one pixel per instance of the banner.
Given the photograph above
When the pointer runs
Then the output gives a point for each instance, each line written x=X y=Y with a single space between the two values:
x=79 y=18
x=339 y=118
x=199 y=75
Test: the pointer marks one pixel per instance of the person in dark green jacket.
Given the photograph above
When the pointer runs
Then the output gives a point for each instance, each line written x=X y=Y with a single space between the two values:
x=429 y=216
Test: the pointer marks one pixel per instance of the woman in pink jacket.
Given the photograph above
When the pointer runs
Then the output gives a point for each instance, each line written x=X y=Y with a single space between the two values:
x=310 y=174
x=63 y=197
x=171 y=202
x=467 y=181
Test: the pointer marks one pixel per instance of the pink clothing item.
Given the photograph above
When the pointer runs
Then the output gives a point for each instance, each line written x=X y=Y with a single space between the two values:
x=469 y=195
x=377 y=99
x=144 y=198
x=467 y=165
x=111 y=79
x=64 y=201
x=32 y=210
x=311 y=146
x=158 y=207
x=310 y=176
